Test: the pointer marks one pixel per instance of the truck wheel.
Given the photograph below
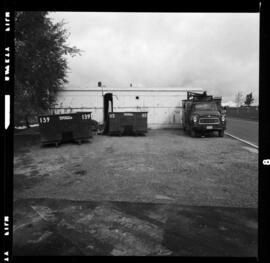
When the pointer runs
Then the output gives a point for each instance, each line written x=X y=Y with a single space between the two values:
x=221 y=133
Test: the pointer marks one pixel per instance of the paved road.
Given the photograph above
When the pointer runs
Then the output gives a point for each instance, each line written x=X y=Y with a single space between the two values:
x=244 y=129
x=64 y=227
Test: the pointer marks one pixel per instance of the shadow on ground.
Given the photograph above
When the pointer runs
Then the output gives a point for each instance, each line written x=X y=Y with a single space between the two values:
x=63 y=227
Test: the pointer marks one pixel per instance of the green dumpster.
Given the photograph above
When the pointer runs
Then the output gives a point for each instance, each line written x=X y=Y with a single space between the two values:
x=127 y=122
x=65 y=127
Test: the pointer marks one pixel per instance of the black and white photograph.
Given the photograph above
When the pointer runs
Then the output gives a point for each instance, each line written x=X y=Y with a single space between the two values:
x=136 y=134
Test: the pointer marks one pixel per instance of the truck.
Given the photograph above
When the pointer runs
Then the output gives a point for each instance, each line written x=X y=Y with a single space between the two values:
x=203 y=114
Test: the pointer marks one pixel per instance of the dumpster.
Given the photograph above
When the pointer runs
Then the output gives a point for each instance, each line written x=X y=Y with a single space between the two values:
x=65 y=127
x=127 y=122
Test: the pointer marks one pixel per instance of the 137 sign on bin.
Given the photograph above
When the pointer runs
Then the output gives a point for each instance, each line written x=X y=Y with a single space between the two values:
x=44 y=119
x=57 y=128
x=86 y=116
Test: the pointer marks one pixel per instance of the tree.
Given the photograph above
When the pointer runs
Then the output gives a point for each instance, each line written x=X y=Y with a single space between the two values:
x=40 y=62
x=239 y=99
x=249 y=99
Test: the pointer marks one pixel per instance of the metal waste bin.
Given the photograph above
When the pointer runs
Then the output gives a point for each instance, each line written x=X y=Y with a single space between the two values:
x=65 y=127
x=132 y=122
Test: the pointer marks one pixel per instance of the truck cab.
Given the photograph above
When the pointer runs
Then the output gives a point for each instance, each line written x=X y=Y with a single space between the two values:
x=203 y=114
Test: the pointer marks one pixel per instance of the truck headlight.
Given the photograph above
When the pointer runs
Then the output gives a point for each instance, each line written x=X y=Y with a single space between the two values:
x=223 y=118
x=195 y=118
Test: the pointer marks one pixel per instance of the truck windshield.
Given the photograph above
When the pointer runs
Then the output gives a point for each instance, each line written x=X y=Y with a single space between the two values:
x=205 y=106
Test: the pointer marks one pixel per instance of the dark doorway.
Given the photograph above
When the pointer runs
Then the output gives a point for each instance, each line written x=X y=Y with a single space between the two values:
x=107 y=107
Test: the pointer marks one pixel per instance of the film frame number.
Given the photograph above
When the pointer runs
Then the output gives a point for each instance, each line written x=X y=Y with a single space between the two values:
x=266 y=162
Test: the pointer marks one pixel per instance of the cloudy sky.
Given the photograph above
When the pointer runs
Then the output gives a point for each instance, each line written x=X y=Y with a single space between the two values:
x=217 y=52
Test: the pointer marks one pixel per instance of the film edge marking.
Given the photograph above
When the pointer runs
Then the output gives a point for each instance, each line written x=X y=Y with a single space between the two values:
x=7 y=111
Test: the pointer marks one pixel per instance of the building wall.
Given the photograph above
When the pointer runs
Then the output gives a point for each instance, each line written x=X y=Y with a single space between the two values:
x=164 y=105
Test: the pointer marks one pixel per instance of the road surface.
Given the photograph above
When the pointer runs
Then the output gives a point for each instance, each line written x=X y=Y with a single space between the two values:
x=89 y=228
x=244 y=129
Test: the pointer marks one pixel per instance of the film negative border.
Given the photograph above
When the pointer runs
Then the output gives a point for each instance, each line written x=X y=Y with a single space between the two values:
x=7 y=93
x=7 y=135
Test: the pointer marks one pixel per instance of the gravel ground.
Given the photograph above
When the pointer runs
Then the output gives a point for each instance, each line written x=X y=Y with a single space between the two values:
x=165 y=166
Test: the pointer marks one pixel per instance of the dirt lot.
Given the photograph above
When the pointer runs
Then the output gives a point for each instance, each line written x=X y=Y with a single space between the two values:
x=196 y=191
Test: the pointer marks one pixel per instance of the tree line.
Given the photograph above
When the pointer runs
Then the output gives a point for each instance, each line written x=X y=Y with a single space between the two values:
x=240 y=100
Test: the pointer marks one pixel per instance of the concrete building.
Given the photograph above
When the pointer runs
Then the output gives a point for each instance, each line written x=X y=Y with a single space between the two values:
x=163 y=104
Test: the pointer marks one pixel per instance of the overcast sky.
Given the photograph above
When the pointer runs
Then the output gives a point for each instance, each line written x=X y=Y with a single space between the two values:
x=217 y=52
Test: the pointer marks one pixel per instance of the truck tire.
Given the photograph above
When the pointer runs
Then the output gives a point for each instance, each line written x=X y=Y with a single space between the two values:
x=193 y=133
x=221 y=133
